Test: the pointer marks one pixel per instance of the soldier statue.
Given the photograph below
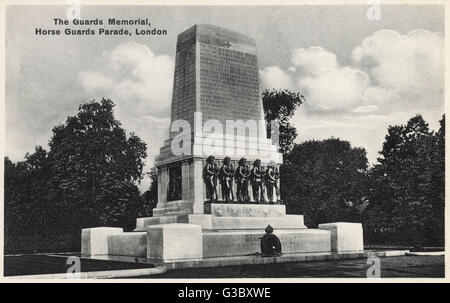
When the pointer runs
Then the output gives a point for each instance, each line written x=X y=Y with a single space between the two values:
x=242 y=174
x=226 y=174
x=256 y=177
x=210 y=172
x=272 y=175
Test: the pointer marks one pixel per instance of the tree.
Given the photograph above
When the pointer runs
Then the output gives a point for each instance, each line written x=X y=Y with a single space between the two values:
x=407 y=185
x=280 y=105
x=25 y=189
x=95 y=168
x=150 y=196
x=326 y=181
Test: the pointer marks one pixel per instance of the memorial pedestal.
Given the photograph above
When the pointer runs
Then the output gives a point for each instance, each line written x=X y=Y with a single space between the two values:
x=345 y=236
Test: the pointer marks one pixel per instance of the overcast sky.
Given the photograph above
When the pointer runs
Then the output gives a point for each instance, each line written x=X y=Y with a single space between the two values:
x=358 y=76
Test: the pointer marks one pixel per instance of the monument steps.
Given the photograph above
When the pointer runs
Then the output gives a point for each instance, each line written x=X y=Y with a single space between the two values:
x=172 y=208
x=178 y=212
x=331 y=237
x=142 y=224
x=245 y=210
x=179 y=203
x=210 y=222
x=171 y=212
x=226 y=216
x=218 y=243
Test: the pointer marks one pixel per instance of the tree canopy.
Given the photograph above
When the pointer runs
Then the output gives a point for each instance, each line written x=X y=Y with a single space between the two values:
x=325 y=181
x=407 y=194
x=88 y=177
x=280 y=105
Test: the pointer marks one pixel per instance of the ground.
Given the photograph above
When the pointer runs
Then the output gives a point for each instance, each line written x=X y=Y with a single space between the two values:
x=391 y=267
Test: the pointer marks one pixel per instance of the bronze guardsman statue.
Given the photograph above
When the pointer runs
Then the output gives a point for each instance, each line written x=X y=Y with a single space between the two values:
x=174 y=187
x=242 y=174
x=226 y=174
x=272 y=175
x=210 y=172
x=256 y=177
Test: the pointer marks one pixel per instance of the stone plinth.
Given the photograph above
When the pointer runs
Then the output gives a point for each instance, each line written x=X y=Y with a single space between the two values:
x=222 y=216
x=245 y=210
x=94 y=241
x=174 y=208
x=144 y=223
x=128 y=244
x=345 y=236
x=239 y=243
x=258 y=223
x=174 y=241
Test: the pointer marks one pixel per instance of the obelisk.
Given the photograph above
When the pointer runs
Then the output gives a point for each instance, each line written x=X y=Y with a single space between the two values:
x=216 y=80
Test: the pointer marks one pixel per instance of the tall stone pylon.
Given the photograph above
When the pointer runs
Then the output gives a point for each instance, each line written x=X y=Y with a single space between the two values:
x=216 y=109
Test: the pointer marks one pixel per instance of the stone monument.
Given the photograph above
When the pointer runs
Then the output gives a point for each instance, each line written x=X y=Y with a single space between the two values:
x=218 y=174
x=216 y=79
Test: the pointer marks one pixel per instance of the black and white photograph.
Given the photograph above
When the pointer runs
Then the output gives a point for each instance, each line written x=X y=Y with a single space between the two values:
x=257 y=142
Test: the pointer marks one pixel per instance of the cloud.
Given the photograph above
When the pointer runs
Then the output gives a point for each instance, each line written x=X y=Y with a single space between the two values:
x=134 y=76
x=365 y=109
x=314 y=60
x=140 y=84
x=91 y=81
x=406 y=70
x=392 y=77
x=273 y=76
x=317 y=74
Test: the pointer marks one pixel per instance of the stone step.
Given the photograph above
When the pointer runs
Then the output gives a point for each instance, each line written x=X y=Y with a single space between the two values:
x=247 y=242
x=225 y=243
x=171 y=212
x=245 y=210
x=179 y=203
x=210 y=222
x=178 y=207
x=158 y=212
x=178 y=212
x=143 y=223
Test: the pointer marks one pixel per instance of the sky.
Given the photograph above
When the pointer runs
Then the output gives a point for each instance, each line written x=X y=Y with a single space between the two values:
x=358 y=75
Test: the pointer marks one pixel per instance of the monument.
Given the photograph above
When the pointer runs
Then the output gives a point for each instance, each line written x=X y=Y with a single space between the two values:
x=218 y=174
x=216 y=79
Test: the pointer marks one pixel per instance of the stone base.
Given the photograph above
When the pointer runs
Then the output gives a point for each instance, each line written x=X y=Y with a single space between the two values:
x=174 y=241
x=227 y=230
x=94 y=241
x=239 y=243
x=345 y=236
x=245 y=210
x=128 y=244
x=209 y=222
x=142 y=224
x=229 y=216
